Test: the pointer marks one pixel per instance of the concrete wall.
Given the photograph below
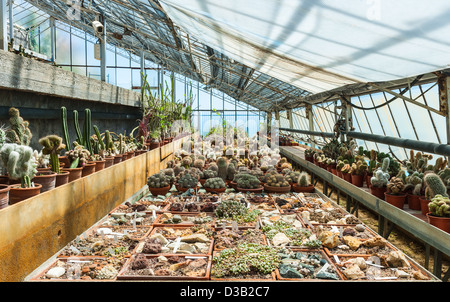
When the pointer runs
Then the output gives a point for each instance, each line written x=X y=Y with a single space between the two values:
x=39 y=91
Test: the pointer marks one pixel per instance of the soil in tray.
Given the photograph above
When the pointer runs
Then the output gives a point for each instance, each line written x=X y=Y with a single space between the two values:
x=129 y=219
x=330 y=216
x=358 y=231
x=271 y=217
x=372 y=268
x=106 y=244
x=165 y=267
x=227 y=238
x=288 y=203
x=304 y=264
x=282 y=234
x=189 y=243
x=82 y=269
x=183 y=219
x=141 y=206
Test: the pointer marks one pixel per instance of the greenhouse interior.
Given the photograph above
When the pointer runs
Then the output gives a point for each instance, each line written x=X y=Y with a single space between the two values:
x=278 y=141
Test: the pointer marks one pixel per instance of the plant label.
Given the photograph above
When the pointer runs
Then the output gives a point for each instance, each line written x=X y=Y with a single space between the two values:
x=154 y=214
x=234 y=226
x=177 y=245
x=111 y=251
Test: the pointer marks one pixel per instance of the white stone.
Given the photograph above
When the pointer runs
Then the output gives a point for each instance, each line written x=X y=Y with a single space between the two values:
x=280 y=239
x=55 y=272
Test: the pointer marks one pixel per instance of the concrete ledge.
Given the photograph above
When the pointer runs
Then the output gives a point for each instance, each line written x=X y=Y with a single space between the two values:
x=20 y=73
x=35 y=229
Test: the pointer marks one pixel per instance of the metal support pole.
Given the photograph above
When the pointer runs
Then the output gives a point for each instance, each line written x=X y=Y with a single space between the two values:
x=103 y=52
x=3 y=26
x=11 y=22
x=52 y=39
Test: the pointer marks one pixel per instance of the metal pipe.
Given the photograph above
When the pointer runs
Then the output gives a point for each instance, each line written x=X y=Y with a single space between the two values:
x=313 y=133
x=441 y=149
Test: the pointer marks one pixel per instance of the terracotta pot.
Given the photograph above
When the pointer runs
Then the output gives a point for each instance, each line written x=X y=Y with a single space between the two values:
x=334 y=171
x=414 y=202
x=88 y=169
x=46 y=178
x=209 y=190
x=339 y=174
x=4 y=195
x=43 y=169
x=4 y=179
x=298 y=189
x=424 y=205
x=109 y=161
x=139 y=152
x=131 y=154
x=99 y=165
x=257 y=190
x=202 y=181
x=62 y=178
x=117 y=158
x=442 y=223
x=357 y=180
x=154 y=145
x=347 y=176
x=159 y=191
x=18 y=194
x=368 y=177
x=233 y=185
x=65 y=160
x=125 y=156
x=181 y=189
x=395 y=200
x=378 y=192
x=271 y=189
x=74 y=173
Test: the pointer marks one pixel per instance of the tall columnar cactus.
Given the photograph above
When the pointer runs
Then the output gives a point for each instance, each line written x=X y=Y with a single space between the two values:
x=99 y=138
x=65 y=129
x=77 y=128
x=231 y=171
x=222 y=165
x=434 y=186
x=19 y=162
x=53 y=146
x=19 y=132
x=87 y=130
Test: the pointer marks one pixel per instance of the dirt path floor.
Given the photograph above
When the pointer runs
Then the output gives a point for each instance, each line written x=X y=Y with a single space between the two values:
x=405 y=242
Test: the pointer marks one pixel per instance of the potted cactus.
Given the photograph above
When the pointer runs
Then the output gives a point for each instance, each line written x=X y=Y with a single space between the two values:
x=159 y=184
x=433 y=186
x=186 y=181
x=21 y=165
x=303 y=184
x=380 y=179
x=277 y=183
x=246 y=182
x=346 y=172
x=439 y=212
x=413 y=187
x=394 y=192
x=214 y=184
x=358 y=172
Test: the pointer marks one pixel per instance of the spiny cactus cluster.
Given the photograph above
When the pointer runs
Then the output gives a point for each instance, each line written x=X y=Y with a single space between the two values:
x=359 y=167
x=19 y=162
x=277 y=180
x=304 y=179
x=52 y=146
x=214 y=183
x=395 y=186
x=187 y=180
x=381 y=175
x=434 y=186
x=79 y=156
x=208 y=173
x=158 y=180
x=440 y=206
x=247 y=181
x=18 y=133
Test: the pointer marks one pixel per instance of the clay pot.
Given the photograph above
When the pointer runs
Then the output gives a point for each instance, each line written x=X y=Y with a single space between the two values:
x=233 y=185
x=159 y=191
x=18 y=194
x=271 y=189
x=424 y=205
x=65 y=160
x=414 y=201
x=154 y=145
x=395 y=200
x=298 y=189
x=378 y=192
x=99 y=165
x=202 y=181
x=118 y=158
x=257 y=190
x=131 y=154
x=139 y=152
x=109 y=161
x=4 y=195
x=339 y=174
x=88 y=169
x=357 y=180
x=43 y=169
x=46 y=178
x=74 y=173
x=368 y=177
x=334 y=171
x=209 y=190
x=347 y=176
x=62 y=178
x=181 y=189
x=442 y=223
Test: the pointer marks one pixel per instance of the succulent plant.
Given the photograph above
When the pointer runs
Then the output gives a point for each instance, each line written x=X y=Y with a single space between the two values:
x=222 y=168
x=53 y=146
x=208 y=174
x=292 y=176
x=19 y=162
x=214 y=183
x=199 y=163
x=440 y=206
x=277 y=180
x=158 y=180
x=359 y=168
x=304 y=179
x=381 y=175
x=78 y=155
x=18 y=132
x=395 y=186
x=187 y=180
x=230 y=208
x=247 y=181
x=434 y=186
